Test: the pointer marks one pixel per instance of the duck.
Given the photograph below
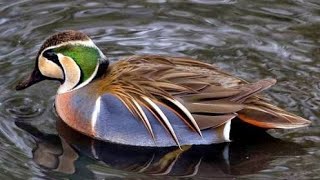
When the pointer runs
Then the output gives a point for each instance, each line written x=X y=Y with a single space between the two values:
x=150 y=100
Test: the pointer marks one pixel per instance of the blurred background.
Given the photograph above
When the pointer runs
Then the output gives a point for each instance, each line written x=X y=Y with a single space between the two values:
x=251 y=39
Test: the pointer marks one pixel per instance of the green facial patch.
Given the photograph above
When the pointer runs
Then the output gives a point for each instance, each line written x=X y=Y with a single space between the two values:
x=86 y=57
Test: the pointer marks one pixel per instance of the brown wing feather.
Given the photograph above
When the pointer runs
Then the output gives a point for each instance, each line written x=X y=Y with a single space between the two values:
x=217 y=108
x=212 y=96
x=207 y=121
x=262 y=114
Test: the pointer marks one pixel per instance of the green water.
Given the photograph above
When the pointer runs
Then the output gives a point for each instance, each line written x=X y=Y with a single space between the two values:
x=251 y=39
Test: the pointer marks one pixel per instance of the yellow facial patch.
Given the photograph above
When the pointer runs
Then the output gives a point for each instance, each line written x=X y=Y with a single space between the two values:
x=49 y=68
x=72 y=73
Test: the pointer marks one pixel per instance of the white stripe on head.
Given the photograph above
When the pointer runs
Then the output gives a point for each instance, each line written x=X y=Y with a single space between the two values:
x=87 y=43
x=89 y=79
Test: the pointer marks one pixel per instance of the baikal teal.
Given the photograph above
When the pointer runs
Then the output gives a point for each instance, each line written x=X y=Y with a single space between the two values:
x=151 y=100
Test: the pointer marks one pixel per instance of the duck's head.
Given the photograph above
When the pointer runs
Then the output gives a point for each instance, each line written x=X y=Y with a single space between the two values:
x=69 y=57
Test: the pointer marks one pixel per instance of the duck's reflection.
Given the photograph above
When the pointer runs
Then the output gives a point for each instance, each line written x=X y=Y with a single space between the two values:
x=61 y=153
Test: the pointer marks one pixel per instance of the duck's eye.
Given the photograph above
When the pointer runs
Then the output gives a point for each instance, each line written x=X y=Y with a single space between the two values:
x=50 y=55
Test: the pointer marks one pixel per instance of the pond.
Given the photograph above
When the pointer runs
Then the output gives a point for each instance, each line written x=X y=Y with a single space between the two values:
x=250 y=39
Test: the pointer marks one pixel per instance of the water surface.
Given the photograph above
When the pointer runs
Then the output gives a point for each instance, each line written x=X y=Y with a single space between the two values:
x=253 y=40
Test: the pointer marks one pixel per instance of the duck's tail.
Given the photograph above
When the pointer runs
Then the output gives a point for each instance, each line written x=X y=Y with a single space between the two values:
x=265 y=115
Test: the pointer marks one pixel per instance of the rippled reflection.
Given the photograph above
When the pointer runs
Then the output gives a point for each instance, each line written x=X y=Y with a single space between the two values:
x=62 y=153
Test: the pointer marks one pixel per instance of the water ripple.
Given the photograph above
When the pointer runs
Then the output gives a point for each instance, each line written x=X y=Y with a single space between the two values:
x=22 y=107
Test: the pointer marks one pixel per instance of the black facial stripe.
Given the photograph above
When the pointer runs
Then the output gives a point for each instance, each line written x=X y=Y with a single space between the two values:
x=52 y=56
x=80 y=80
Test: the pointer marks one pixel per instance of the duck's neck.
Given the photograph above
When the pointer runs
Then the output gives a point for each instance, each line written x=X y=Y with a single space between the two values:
x=102 y=69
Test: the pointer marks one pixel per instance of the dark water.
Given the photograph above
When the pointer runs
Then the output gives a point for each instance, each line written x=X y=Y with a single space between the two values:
x=251 y=39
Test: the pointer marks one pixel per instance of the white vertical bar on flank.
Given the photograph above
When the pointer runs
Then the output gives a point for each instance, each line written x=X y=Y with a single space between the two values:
x=95 y=114
x=226 y=131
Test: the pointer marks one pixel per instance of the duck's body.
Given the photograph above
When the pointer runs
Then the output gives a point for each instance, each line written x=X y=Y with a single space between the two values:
x=137 y=75
x=155 y=100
